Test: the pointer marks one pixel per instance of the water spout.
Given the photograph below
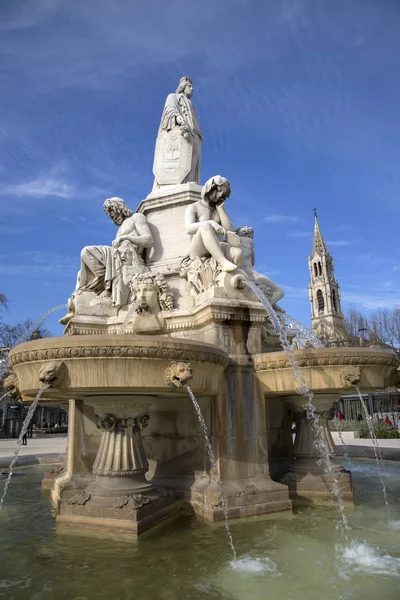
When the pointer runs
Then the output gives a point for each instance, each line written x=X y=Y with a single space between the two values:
x=213 y=466
x=311 y=410
x=23 y=431
x=377 y=452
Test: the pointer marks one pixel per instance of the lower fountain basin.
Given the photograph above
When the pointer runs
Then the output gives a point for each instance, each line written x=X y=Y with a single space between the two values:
x=82 y=366
x=326 y=370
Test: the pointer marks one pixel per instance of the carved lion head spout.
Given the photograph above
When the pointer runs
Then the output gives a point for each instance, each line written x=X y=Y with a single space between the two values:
x=11 y=385
x=53 y=374
x=350 y=376
x=178 y=374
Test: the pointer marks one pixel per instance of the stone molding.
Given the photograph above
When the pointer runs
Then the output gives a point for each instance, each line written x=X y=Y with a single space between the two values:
x=376 y=359
x=120 y=352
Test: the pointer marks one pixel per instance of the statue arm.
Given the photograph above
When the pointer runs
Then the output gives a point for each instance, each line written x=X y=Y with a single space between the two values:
x=171 y=115
x=225 y=220
x=144 y=239
x=192 y=225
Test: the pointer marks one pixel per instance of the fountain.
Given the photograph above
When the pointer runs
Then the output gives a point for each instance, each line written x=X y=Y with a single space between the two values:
x=171 y=300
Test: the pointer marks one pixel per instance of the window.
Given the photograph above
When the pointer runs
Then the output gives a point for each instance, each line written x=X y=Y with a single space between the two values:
x=334 y=301
x=320 y=301
x=319 y=269
x=315 y=270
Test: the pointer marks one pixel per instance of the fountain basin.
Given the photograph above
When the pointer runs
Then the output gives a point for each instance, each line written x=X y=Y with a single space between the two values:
x=326 y=370
x=118 y=365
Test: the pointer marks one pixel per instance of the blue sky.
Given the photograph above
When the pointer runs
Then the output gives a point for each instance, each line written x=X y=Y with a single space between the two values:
x=298 y=101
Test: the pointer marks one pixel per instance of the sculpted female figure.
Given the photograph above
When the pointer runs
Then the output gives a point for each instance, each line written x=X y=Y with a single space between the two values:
x=208 y=222
x=178 y=146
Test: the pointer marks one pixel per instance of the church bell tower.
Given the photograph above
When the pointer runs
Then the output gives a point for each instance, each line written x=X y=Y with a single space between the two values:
x=324 y=293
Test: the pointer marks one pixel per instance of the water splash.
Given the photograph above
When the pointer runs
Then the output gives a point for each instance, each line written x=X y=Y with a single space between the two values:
x=377 y=452
x=23 y=431
x=361 y=557
x=312 y=415
x=305 y=333
x=247 y=564
x=213 y=467
x=4 y=396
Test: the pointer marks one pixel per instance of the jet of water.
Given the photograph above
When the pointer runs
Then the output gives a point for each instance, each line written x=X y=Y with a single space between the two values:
x=23 y=431
x=311 y=410
x=305 y=333
x=377 y=452
x=213 y=466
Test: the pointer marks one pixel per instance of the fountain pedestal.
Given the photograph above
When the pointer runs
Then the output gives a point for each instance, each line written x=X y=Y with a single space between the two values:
x=313 y=474
x=118 y=497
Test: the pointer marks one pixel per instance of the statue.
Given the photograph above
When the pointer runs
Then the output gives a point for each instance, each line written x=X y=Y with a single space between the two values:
x=273 y=292
x=207 y=222
x=106 y=271
x=153 y=296
x=178 y=145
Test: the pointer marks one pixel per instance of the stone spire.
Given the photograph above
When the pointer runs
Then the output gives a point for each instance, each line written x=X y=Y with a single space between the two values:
x=319 y=246
x=324 y=293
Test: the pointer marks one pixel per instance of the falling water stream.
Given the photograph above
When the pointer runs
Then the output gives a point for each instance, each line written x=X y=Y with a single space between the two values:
x=378 y=456
x=213 y=467
x=303 y=390
x=302 y=329
x=23 y=431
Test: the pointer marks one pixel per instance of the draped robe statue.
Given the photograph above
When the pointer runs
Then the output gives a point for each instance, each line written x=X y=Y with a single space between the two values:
x=178 y=146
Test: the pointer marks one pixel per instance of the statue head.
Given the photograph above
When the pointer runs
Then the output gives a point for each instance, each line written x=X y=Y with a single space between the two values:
x=117 y=210
x=185 y=87
x=152 y=291
x=216 y=190
x=245 y=231
x=126 y=251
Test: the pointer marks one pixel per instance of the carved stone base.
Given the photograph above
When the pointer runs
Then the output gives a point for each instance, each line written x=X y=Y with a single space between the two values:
x=130 y=514
x=308 y=482
x=243 y=498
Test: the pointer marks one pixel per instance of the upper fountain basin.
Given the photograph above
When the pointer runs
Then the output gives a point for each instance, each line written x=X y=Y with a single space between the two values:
x=82 y=366
x=327 y=370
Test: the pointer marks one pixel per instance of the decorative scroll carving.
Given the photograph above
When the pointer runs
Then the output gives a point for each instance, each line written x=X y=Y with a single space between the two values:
x=266 y=364
x=131 y=502
x=120 y=351
x=80 y=498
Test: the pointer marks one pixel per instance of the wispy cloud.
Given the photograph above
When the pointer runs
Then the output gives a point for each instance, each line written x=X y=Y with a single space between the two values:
x=277 y=218
x=50 y=186
x=37 y=265
x=300 y=235
x=340 y=242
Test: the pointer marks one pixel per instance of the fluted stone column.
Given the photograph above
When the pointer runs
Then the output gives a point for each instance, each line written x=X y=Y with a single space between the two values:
x=120 y=464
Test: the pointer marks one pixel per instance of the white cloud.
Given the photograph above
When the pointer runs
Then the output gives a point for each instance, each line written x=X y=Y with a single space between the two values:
x=276 y=218
x=300 y=234
x=41 y=187
x=339 y=242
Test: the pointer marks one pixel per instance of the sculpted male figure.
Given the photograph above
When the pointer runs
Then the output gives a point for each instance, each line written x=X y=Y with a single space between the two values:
x=106 y=270
x=100 y=264
x=272 y=290
x=177 y=157
x=207 y=222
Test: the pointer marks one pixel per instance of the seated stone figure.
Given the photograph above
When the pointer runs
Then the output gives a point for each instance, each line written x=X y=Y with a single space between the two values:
x=106 y=271
x=207 y=222
x=273 y=292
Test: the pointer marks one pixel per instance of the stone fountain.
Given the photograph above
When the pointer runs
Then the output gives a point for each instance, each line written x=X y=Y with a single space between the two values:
x=173 y=281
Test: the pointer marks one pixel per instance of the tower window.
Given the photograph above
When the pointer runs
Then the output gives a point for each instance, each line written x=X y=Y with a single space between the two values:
x=319 y=269
x=315 y=270
x=320 y=301
x=334 y=301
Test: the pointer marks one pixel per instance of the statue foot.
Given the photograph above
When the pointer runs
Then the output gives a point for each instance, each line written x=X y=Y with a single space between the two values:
x=227 y=265
x=67 y=318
